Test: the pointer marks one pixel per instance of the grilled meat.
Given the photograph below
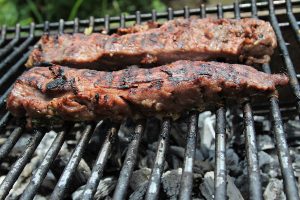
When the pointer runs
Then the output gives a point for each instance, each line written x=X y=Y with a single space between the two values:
x=245 y=40
x=83 y=94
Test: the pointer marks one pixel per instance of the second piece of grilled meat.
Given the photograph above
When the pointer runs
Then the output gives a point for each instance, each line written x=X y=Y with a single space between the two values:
x=83 y=94
x=246 y=40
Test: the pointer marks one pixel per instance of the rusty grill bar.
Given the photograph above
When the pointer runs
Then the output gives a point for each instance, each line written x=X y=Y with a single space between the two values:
x=13 y=56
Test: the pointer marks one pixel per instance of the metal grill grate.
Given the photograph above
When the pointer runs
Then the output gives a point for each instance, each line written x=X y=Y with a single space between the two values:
x=15 y=50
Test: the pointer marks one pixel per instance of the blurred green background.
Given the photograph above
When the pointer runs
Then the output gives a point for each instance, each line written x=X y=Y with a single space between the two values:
x=26 y=11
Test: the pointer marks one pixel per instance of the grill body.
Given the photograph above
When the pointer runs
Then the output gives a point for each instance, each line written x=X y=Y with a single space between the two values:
x=17 y=42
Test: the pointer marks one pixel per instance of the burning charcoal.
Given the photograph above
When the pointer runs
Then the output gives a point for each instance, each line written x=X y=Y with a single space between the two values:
x=293 y=128
x=25 y=176
x=232 y=161
x=148 y=160
x=40 y=197
x=170 y=182
x=180 y=151
x=139 y=177
x=81 y=175
x=233 y=192
x=207 y=188
x=206 y=128
x=176 y=162
x=274 y=190
x=178 y=134
x=264 y=158
x=264 y=142
x=105 y=187
x=201 y=167
x=140 y=192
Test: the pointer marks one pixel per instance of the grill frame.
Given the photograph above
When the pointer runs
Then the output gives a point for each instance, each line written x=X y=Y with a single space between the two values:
x=185 y=192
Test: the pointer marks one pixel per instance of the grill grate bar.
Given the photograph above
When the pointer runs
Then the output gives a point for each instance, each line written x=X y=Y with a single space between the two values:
x=76 y=25
x=292 y=19
x=12 y=43
x=21 y=48
x=255 y=190
x=154 y=181
x=19 y=165
x=65 y=179
x=4 y=119
x=148 y=16
x=100 y=163
x=186 y=183
x=129 y=162
x=61 y=26
x=203 y=11
x=290 y=187
x=4 y=96
x=10 y=142
x=41 y=172
x=220 y=181
x=288 y=62
x=14 y=69
x=3 y=34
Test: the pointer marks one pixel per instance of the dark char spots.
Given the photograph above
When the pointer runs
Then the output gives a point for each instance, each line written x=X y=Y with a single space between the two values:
x=56 y=83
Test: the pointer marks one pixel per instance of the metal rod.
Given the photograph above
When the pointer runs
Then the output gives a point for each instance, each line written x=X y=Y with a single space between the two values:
x=122 y=20
x=4 y=119
x=154 y=182
x=61 y=26
x=3 y=34
x=251 y=152
x=10 y=142
x=41 y=172
x=66 y=177
x=292 y=18
x=76 y=25
x=12 y=43
x=14 y=69
x=170 y=14
x=19 y=165
x=220 y=181
x=203 y=11
x=100 y=163
x=186 y=183
x=3 y=97
x=18 y=50
x=129 y=162
x=138 y=17
x=288 y=62
x=237 y=12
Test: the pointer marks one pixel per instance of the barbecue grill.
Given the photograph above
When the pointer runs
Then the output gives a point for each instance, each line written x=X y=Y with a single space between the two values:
x=17 y=42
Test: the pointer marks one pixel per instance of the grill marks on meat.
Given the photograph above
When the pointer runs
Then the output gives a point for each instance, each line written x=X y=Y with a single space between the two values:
x=246 y=40
x=83 y=94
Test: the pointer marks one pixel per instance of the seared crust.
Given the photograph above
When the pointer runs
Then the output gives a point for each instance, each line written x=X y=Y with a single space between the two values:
x=246 y=40
x=83 y=94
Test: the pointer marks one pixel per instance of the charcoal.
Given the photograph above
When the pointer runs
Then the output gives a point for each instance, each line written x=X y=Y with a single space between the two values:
x=206 y=123
x=104 y=189
x=264 y=159
x=29 y=169
x=139 y=177
x=264 y=142
x=232 y=161
x=140 y=192
x=178 y=134
x=274 y=190
x=171 y=182
x=40 y=197
x=81 y=175
x=176 y=162
x=180 y=152
x=207 y=188
x=201 y=167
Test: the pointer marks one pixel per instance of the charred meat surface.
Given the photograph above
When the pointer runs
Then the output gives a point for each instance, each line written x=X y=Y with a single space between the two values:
x=83 y=94
x=246 y=40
